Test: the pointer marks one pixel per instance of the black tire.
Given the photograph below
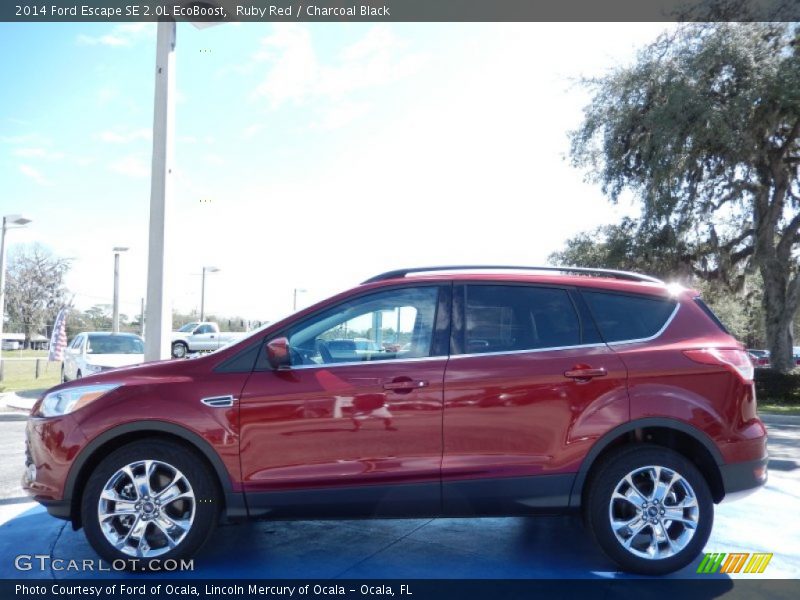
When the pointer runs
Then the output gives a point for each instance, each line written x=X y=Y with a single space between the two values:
x=78 y=374
x=601 y=486
x=63 y=375
x=190 y=465
x=179 y=350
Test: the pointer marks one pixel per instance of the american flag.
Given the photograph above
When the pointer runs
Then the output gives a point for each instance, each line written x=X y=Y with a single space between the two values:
x=58 y=341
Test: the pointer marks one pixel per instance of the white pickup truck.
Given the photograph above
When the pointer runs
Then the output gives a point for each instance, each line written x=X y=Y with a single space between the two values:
x=201 y=336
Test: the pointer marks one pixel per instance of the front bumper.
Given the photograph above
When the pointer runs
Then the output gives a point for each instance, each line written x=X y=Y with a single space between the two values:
x=744 y=478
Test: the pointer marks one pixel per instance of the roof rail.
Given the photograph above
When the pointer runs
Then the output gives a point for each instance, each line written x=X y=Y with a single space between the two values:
x=626 y=275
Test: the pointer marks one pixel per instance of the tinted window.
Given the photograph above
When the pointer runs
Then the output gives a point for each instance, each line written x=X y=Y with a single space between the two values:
x=386 y=325
x=114 y=344
x=622 y=317
x=507 y=318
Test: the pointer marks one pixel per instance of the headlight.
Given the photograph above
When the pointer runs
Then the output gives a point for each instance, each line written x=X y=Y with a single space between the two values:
x=65 y=401
x=93 y=368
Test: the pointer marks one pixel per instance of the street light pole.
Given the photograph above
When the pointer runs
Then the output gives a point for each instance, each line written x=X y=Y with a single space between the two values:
x=8 y=222
x=159 y=308
x=115 y=319
x=294 y=303
x=203 y=291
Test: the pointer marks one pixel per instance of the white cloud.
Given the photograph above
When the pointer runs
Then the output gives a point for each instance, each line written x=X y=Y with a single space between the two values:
x=38 y=153
x=132 y=166
x=251 y=130
x=115 y=137
x=34 y=174
x=126 y=34
x=339 y=115
x=215 y=159
x=295 y=73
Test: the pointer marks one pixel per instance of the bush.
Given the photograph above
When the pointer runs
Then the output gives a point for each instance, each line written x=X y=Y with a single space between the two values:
x=778 y=388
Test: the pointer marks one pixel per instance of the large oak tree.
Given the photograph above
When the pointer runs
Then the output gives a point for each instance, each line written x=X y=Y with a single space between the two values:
x=703 y=129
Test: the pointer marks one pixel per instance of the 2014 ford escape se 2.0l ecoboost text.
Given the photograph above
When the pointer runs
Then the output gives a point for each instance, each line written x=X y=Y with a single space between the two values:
x=481 y=392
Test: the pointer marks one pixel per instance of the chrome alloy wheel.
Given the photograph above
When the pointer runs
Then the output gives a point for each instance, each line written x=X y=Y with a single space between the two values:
x=653 y=512
x=146 y=508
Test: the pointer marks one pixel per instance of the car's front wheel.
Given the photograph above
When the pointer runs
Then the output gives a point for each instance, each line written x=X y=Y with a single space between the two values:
x=650 y=509
x=147 y=500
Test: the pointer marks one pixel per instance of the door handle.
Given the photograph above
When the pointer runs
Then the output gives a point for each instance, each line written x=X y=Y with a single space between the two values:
x=582 y=373
x=406 y=385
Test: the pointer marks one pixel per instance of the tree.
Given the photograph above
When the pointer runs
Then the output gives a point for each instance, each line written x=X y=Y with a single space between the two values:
x=704 y=130
x=35 y=289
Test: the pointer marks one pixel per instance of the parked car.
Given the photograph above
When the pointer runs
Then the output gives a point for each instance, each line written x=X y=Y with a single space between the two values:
x=759 y=358
x=93 y=352
x=203 y=336
x=604 y=392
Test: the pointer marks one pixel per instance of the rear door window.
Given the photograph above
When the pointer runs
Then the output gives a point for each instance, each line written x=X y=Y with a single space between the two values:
x=622 y=317
x=507 y=318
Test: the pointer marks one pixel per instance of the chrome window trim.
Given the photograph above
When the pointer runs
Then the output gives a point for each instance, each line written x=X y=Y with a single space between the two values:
x=655 y=335
x=364 y=363
x=529 y=350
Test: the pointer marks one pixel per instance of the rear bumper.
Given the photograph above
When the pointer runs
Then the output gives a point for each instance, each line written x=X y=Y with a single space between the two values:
x=744 y=478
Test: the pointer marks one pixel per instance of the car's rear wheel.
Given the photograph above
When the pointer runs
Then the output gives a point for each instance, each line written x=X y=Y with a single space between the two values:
x=179 y=350
x=152 y=499
x=63 y=375
x=650 y=509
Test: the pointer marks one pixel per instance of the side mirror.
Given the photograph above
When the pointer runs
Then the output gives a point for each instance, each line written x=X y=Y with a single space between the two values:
x=278 y=353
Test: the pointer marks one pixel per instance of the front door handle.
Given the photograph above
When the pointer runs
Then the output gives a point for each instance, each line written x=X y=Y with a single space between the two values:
x=584 y=373
x=404 y=384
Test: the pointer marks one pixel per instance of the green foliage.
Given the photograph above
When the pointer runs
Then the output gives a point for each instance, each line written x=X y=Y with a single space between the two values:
x=778 y=388
x=704 y=129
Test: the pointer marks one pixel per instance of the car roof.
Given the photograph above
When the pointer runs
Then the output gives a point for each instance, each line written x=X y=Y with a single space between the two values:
x=576 y=280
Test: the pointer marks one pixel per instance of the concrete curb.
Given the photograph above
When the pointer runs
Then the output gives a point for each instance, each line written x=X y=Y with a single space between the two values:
x=13 y=401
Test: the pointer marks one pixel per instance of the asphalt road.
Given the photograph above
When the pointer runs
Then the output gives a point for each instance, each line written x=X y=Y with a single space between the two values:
x=536 y=547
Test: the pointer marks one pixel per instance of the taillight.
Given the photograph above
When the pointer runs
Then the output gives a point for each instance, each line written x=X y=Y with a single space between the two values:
x=736 y=361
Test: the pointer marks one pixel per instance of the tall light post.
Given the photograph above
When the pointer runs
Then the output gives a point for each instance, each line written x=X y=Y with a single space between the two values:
x=297 y=291
x=9 y=222
x=203 y=291
x=157 y=344
x=115 y=320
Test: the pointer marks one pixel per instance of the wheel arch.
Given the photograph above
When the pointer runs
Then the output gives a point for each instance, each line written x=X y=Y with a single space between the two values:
x=111 y=439
x=677 y=435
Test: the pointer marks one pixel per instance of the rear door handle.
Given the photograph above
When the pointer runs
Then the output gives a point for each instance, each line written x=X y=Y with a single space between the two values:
x=585 y=373
x=406 y=385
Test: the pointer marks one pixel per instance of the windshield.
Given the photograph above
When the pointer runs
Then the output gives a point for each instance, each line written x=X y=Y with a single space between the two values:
x=114 y=344
x=188 y=327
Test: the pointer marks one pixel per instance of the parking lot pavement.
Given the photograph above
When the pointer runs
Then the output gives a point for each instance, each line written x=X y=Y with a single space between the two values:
x=535 y=547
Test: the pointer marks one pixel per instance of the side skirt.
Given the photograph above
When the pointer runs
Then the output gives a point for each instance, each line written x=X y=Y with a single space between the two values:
x=512 y=496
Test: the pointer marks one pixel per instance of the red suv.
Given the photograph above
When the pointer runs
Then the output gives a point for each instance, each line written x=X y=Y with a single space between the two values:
x=486 y=391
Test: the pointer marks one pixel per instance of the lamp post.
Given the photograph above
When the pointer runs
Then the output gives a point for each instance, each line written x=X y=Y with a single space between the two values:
x=115 y=320
x=294 y=302
x=9 y=222
x=157 y=344
x=203 y=291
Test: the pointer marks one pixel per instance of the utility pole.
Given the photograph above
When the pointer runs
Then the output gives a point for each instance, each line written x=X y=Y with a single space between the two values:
x=159 y=308
x=115 y=318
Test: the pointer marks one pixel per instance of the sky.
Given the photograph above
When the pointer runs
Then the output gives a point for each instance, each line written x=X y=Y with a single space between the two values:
x=309 y=156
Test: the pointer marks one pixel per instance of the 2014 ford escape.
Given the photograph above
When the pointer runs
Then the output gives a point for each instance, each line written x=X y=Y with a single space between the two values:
x=484 y=392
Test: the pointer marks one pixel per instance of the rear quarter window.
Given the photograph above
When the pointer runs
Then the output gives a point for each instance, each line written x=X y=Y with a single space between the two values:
x=626 y=317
